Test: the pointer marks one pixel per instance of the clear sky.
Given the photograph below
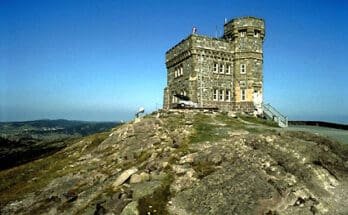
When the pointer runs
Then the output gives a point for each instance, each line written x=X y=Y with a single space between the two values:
x=103 y=59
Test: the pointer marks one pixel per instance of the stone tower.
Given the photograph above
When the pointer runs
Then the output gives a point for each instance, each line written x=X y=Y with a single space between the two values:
x=221 y=72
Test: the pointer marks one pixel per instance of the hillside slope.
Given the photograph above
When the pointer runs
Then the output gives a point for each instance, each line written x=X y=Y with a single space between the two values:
x=21 y=142
x=185 y=162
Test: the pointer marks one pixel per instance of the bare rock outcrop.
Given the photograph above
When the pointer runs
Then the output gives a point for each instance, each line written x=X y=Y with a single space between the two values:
x=185 y=162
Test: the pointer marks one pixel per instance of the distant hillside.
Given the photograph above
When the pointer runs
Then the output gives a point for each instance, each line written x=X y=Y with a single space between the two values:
x=185 y=163
x=60 y=126
x=21 y=142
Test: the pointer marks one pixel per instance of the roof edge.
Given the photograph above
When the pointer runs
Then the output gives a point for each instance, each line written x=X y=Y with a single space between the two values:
x=243 y=17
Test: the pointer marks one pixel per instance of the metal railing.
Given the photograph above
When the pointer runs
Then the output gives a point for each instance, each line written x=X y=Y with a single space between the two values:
x=275 y=115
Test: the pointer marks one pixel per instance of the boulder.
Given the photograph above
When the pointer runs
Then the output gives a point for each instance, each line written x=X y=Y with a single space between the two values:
x=137 y=178
x=131 y=209
x=124 y=176
x=145 y=188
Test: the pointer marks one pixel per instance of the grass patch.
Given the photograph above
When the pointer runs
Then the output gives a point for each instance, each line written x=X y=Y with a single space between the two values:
x=229 y=121
x=204 y=130
x=15 y=183
x=175 y=121
x=96 y=139
x=259 y=121
x=213 y=128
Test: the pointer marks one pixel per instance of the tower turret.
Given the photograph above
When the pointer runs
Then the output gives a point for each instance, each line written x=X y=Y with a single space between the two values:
x=247 y=35
x=244 y=28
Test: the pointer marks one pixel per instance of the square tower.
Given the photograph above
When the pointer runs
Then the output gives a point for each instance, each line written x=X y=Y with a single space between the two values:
x=224 y=73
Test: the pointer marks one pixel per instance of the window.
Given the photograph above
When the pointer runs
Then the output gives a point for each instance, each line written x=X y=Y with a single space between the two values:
x=221 y=95
x=242 y=95
x=256 y=33
x=178 y=71
x=242 y=69
x=215 y=68
x=228 y=69
x=215 y=94
x=173 y=97
x=242 y=84
x=242 y=33
x=228 y=95
x=222 y=68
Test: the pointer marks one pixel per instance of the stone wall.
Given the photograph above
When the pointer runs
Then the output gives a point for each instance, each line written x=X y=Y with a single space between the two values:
x=212 y=67
x=179 y=60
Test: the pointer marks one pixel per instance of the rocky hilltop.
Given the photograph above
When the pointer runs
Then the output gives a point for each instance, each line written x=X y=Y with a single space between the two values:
x=185 y=162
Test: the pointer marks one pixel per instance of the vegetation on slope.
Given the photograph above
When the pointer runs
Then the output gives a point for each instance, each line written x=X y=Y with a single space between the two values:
x=184 y=162
x=21 y=142
x=15 y=183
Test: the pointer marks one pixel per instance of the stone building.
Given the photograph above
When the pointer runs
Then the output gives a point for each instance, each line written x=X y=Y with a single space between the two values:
x=221 y=72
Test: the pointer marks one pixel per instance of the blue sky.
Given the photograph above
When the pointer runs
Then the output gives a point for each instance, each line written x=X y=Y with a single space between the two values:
x=101 y=60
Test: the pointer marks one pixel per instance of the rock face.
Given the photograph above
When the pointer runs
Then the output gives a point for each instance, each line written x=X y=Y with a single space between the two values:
x=185 y=162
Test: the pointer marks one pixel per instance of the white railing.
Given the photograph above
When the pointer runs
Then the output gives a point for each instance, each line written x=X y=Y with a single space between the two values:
x=272 y=113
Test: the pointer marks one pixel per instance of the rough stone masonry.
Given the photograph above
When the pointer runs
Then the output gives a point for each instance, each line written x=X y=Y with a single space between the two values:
x=224 y=73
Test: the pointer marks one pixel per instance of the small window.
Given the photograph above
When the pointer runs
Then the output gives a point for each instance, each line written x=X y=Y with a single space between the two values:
x=222 y=68
x=179 y=71
x=242 y=33
x=242 y=95
x=228 y=95
x=228 y=69
x=221 y=95
x=257 y=33
x=215 y=67
x=242 y=84
x=173 y=97
x=215 y=94
x=242 y=69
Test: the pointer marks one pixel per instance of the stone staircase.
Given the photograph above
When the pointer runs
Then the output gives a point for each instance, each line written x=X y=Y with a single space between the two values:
x=271 y=113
